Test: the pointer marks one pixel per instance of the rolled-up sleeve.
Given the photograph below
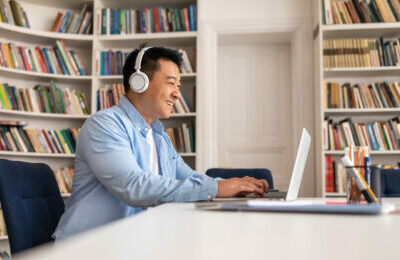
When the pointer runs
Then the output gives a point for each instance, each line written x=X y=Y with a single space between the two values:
x=108 y=152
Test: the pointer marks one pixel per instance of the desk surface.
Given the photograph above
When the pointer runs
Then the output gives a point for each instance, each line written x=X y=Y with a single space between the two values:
x=179 y=231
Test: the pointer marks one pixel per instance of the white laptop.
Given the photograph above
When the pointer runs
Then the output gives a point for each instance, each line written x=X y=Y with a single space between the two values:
x=290 y=204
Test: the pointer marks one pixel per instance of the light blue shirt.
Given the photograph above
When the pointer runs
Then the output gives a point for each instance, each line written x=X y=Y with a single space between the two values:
x=112 y=178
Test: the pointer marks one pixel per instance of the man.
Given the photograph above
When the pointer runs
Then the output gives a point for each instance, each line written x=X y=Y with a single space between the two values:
x=124 y=159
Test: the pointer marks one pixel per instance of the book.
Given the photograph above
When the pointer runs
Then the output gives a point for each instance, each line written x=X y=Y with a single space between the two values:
x=359 y=11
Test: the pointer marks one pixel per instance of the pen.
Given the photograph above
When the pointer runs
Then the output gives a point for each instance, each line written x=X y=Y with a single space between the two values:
x=362 y=185
x=367 y=175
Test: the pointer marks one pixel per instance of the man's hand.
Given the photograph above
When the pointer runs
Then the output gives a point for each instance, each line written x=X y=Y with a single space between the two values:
x=241 y=186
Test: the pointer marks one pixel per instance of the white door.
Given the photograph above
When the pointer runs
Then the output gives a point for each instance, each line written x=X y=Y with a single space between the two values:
x=254 y=118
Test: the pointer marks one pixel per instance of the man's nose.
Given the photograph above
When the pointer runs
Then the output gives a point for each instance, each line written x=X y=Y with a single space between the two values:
x=176 y=94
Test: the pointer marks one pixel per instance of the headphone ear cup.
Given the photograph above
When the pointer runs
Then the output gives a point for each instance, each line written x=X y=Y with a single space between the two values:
x=139 y=82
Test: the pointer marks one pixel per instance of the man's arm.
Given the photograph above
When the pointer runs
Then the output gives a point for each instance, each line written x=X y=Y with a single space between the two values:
x=106 y=148
x=226 y=188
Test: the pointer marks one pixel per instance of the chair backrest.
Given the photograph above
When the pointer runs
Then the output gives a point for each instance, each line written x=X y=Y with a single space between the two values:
x=258 y=173
x=31 y=202
x=390 y=182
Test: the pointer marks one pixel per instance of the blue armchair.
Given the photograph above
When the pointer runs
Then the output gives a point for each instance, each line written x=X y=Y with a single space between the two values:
x=258 y=173
x=31 y=202
x=390 y=183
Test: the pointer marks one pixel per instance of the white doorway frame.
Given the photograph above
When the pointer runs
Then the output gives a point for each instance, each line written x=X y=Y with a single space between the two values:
x=302 y=92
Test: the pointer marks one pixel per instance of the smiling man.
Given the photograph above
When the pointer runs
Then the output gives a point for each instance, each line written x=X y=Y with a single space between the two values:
x=125 y=161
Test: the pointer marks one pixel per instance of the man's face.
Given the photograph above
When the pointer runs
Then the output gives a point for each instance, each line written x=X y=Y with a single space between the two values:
x=163 y=90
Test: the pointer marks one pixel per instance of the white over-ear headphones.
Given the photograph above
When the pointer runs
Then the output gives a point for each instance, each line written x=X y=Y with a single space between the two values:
x=139 y=81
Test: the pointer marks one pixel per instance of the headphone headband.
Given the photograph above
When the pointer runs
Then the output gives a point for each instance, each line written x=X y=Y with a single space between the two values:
x=140 y=57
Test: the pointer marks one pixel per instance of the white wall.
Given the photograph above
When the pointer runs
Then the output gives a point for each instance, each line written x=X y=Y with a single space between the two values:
x=234 y=11
x=252 y=9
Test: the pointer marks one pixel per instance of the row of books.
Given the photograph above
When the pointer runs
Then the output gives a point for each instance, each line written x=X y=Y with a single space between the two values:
x=146 y=20
x=335 y=176
x=374 y=95
x=64 y=177
x=67 y=22
x=182 y=138
x=56 y=60
x=109 y=95
x=360 y=11
x=361 y=53
x=378 y=136
x=111 y=62
x=18 y=139
x=11 y=12
x=43 y=99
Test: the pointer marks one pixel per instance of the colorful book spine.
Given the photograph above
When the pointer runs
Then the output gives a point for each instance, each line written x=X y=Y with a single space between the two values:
x=377 y=135
x=43 y=60
x=41 y=98
x=147 y=20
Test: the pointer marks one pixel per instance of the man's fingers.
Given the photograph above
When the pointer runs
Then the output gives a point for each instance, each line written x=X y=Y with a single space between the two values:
x=252 y=187
x=266 y=185
x=246 y=188
x=262 y=184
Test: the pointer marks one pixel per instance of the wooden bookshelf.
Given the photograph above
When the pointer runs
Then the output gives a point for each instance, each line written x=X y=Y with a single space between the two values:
x=38 y=35
x=353 y=75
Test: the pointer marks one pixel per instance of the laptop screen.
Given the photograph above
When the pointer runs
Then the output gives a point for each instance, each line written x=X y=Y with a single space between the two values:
x=299 y=165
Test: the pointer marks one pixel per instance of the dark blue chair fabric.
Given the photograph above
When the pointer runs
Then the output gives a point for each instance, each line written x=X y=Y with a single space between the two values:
x=390 y=182
x=31 y=202
x=258 y=173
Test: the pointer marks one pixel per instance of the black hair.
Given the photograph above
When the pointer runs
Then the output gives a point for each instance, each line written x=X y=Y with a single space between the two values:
x=149 y=63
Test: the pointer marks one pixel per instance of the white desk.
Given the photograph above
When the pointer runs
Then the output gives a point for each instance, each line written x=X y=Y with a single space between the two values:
x=178 y=231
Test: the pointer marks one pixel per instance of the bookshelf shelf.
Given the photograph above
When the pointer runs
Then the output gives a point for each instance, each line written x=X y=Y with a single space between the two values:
x=183 y=115
x=30 y=154
x=394 y=152
x=44 y=37
x=146 y=36
x=169 y=39
x=187 y=154
x=354 y=111
x=362 y=71
x=371 y=30
x=30 y=74
x=44 y=115
x=335 y=194
x=58 y=155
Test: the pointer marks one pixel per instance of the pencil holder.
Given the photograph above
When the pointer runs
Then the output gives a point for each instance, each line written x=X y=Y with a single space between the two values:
x=376 y=184
x=354 y=193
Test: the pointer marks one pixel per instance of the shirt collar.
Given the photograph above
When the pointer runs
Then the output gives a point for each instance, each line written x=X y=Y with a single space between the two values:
x=137 y=118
